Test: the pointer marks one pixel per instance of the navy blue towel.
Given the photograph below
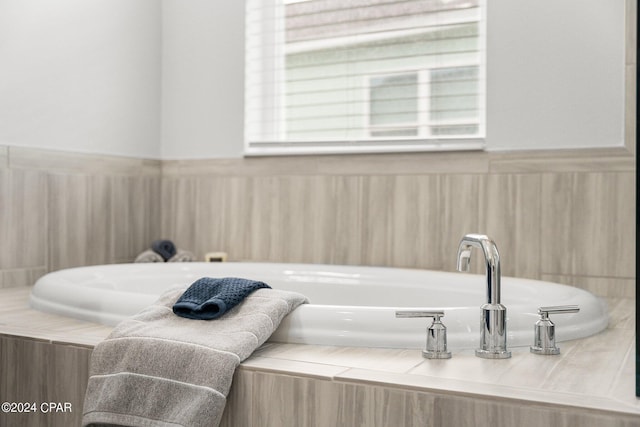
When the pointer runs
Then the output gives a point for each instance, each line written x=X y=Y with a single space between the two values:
x=165 y=248
x=209 y=298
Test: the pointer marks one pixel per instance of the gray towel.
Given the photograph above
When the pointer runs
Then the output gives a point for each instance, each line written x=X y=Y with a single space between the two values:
x=182 y=256
x=149 y=256
x=158 y=369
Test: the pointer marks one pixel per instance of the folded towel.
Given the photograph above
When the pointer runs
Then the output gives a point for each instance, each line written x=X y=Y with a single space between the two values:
x=165 y=248
x=157 y=369
x=209 y=298
x=149 y=256
x=182 y=256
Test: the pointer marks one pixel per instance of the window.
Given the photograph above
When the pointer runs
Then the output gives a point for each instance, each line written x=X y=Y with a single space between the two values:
x=364 y=75
x=393 y=105
x=399 y=107
x=454 y=108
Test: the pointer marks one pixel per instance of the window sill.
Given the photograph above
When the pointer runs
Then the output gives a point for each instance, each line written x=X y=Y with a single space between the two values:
x=361 y=147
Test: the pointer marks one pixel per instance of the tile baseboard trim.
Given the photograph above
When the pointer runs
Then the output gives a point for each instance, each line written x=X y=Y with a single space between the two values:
x=471 y=162
x=53 y=161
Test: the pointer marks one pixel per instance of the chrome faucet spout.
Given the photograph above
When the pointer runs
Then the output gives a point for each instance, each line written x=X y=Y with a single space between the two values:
x=492 y=261
x=493 y=315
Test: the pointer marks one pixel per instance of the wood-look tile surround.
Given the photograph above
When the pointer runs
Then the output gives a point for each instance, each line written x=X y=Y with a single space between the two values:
x=549 y=212
x=62 y=210
x=45 y=357
x=566 y=215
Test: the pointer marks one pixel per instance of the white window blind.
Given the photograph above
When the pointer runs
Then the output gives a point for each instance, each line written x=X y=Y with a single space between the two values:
x=331 y=76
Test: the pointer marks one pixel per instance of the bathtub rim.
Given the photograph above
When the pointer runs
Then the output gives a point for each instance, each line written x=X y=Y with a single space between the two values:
x=400 y=339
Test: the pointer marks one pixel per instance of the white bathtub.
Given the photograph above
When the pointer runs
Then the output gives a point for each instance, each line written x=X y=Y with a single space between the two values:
x=350 y=306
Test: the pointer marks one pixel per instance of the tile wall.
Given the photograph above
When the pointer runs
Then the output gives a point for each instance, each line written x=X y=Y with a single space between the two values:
x=62 y=210
x=565 y=216
x=267 y=399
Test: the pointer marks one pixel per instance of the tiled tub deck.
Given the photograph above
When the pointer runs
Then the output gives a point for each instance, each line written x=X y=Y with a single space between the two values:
x=45 y=358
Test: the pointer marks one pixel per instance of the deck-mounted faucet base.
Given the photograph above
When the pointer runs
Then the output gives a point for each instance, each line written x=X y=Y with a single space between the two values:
x=493 y=334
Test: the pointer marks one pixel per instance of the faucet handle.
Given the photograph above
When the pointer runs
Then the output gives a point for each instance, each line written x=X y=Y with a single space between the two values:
x=544 y=341
x=436 y=346
x=419 y=313
x=558 y=309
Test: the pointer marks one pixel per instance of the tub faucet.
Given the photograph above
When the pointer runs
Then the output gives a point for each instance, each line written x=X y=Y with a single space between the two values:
x=493 y=315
